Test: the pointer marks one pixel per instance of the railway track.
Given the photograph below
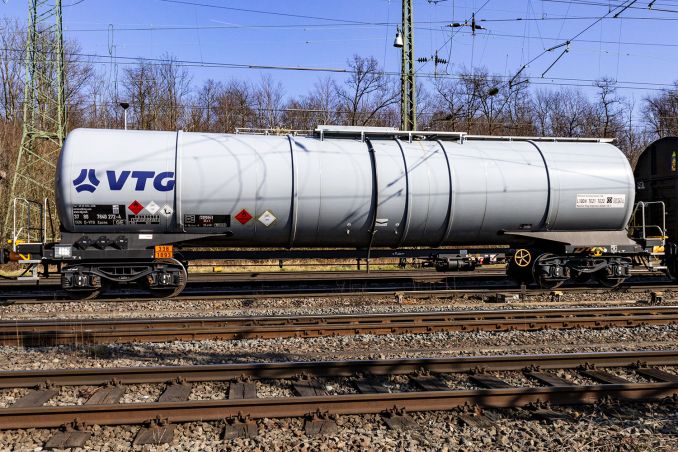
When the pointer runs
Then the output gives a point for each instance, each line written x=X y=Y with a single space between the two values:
x=272 y=284
x=107 y=331
x=430 y=384
x=324 y=284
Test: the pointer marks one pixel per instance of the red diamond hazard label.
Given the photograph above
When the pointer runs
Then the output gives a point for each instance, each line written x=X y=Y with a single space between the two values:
x=243 y=216
x=136 y=207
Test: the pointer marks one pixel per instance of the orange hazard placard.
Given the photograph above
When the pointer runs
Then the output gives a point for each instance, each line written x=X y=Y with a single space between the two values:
x=164 y=252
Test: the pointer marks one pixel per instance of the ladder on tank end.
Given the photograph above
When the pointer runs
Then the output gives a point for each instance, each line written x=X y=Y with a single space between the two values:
x=652 y=237
x=30 y=233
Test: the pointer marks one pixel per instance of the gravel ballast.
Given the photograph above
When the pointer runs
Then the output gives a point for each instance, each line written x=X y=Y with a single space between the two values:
x=309 y=306
x=646 y=427
x=614 y=427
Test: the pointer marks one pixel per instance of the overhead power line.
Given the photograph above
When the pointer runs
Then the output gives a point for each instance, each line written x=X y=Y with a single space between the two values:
x=566 y=44
x=610 y=5
x=342 y=25
x=559 y=81
x=270 y=13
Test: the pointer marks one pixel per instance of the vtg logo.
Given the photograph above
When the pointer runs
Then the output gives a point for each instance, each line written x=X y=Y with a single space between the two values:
x=88 y=181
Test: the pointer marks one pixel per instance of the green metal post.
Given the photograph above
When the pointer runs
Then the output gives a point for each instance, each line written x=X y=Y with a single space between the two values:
x=44 y=119
x=408 y=98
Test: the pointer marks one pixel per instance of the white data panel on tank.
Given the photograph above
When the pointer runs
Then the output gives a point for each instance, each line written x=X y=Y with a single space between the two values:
x=590 y=169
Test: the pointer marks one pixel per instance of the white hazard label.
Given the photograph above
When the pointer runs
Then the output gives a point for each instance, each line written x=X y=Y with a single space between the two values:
x=267 y=218
x=167 y=210
x=600 y=201
x=152 y=208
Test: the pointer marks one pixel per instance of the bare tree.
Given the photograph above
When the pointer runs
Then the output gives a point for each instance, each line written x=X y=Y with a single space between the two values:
x=12 y=45
x=173 y=85
x=367 y=92
x=79 y=77
x=661 y=112
x=201 y=116
x=631 y=139
x=97 y=106
x=571 y=114
x=267 y=103
x=518 y=117
x=608 y=107
x=542 y=106
x=478 y=102
x=233 y=107
x=447 y=105
x=139 y=86
x=319 y=106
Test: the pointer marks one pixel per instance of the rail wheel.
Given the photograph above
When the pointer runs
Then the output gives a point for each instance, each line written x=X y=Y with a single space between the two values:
x=519 y=267
x=172 y=291
x=608 y=281
x=79 y=284
x=546 y=280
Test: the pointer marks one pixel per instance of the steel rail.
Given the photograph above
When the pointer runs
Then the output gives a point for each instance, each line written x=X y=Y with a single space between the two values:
x=211 y=410
x=238 y=276
x=282 y=370
x=363 y=284
x=104 y=331
x=276 y=287
x=208 y=410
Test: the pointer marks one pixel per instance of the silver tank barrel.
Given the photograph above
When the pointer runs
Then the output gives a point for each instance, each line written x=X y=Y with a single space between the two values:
x=308 y=191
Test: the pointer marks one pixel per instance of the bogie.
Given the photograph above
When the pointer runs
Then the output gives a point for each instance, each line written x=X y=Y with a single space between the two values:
x=86 y=280
x=549 y=270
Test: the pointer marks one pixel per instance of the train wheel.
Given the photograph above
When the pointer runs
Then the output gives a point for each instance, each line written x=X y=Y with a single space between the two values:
x=542 y=279
x=170 y=292
x=79 y=284
x=605 y=280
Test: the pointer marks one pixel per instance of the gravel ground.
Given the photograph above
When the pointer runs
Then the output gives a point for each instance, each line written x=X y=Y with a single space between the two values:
x=638 y=427
x=306 y=306
x=439 y=344
x=647 y=427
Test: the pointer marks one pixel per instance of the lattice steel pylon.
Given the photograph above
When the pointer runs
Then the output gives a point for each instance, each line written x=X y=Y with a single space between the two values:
x=408 y=98
x=44 y=120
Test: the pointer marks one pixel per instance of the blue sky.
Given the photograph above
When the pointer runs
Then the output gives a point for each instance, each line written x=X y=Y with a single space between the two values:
x=638 y=48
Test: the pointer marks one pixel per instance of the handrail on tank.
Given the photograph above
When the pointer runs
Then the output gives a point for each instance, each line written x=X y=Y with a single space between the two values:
x=48 y=212
x=551 y=139
x=642 y=205
x=271 y=131
x=17 y=231
x=361 y=132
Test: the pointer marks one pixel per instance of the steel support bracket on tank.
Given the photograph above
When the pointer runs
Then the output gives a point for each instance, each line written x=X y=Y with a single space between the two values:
x=573 y=242
x=127 y=246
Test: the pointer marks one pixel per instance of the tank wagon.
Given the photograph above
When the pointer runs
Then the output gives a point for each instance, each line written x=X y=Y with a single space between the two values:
x=656 y=175
x=131 y=202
